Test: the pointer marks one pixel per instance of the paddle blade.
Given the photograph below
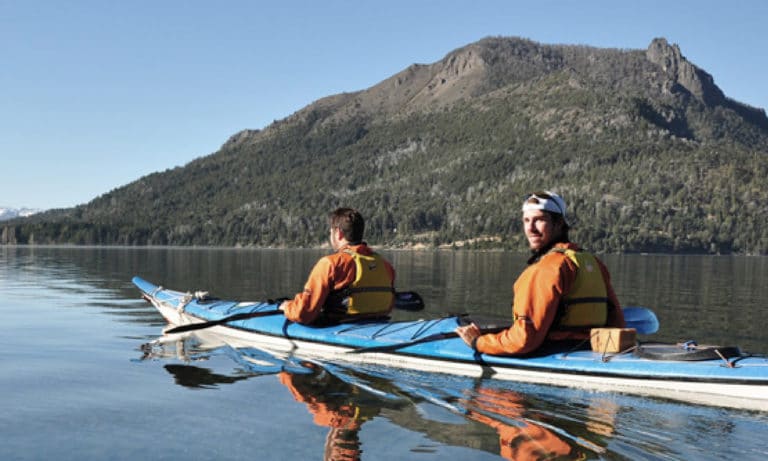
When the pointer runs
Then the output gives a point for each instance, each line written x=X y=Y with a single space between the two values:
x=408 y=301
x=641 y=319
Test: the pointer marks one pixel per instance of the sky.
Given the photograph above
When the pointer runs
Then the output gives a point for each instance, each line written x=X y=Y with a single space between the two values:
x=96 y=94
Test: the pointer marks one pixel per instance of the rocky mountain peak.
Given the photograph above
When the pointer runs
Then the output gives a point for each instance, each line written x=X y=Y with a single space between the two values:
x=682 y=73
x=455 y=77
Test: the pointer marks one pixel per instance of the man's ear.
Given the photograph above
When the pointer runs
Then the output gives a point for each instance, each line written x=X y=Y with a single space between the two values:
x=338 y=234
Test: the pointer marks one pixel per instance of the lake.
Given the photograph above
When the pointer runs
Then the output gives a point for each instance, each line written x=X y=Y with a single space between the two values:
x=83 y=378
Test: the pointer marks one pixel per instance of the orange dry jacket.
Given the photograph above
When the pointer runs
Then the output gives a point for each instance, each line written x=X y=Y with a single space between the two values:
x=537 y=296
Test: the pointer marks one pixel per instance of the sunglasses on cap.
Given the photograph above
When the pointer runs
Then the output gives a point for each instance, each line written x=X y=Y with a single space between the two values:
x=545 y=197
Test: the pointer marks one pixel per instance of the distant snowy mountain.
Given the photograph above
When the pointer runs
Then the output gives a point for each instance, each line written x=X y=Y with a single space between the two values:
x=10 y=213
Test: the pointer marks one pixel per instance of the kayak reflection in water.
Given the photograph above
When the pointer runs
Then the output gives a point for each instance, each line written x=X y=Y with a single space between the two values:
x=521 y=437
x=334 y=404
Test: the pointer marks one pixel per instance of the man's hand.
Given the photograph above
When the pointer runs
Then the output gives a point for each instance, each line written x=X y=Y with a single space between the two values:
x=469 y=334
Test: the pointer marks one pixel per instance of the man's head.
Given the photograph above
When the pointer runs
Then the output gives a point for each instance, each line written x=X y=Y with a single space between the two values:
x=544 y=220
x=346 y=224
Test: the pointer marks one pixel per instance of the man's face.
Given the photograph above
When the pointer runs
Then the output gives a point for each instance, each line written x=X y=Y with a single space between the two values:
x=539 y=228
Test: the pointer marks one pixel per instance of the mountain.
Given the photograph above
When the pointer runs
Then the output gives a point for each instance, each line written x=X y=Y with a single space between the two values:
x=649 y=153
x=7 y=213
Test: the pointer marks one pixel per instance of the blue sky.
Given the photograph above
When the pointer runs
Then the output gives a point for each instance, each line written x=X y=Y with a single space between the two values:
x=96 y=94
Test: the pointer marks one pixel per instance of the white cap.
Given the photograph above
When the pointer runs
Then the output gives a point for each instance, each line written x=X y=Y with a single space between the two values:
x=548 y=201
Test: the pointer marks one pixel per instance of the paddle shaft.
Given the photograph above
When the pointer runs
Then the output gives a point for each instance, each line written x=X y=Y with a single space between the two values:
x=425 y=339
x=231 y=318
x=408 y=300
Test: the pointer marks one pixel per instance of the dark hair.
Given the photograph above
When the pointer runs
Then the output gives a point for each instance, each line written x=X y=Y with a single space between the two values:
x=350 y=222
x=557 y=217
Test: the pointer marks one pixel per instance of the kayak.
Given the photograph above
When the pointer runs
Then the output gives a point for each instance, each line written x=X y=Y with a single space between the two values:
x=713 y=375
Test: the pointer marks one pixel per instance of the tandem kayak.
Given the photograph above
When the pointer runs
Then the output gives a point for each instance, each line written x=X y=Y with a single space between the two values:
x=705 y=375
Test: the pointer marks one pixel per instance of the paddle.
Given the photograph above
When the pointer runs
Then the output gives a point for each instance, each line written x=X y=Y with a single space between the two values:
x=641 y=319
x=406 y=300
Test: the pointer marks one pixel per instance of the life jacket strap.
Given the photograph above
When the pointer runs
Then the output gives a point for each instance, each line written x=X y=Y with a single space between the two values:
x=350 y=290
x=596 y=299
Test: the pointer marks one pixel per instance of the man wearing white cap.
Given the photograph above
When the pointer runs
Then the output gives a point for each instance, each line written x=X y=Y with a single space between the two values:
x=561 y=295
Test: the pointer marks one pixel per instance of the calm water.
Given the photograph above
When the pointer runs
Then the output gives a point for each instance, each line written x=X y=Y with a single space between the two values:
x=78 y=380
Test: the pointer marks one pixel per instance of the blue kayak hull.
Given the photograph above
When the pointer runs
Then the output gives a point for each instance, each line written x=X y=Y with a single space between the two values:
x=735 y=382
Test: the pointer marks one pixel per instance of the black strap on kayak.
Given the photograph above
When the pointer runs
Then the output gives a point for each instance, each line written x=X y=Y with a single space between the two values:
x=424 y=339
x=687 y=351
x=394 y=347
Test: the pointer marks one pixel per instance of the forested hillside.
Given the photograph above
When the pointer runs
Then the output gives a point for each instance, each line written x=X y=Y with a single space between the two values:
x=648 y=152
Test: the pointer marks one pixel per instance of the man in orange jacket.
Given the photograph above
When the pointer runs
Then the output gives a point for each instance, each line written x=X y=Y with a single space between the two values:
x=561 y=295
x=352 y=283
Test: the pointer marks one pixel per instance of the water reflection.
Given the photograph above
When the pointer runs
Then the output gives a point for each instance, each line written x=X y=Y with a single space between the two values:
x=73 y=321
x=511 y=420
x=199 y=378
x=520 y=437
x=335 y=404
x=454 y=411
x=713 y=299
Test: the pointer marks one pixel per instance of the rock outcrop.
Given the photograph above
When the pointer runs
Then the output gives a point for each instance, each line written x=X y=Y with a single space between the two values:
x=682 y=73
